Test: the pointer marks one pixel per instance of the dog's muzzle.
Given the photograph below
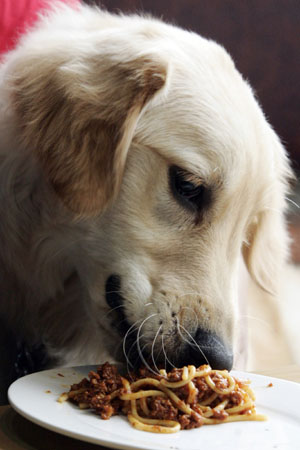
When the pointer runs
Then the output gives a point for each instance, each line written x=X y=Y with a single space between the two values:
x=205 y=348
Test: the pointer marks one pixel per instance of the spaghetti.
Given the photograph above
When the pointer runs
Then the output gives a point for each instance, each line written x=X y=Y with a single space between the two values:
x=166 y=402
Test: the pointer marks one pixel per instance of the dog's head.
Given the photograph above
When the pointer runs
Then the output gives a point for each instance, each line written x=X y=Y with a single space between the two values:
x=150 y=136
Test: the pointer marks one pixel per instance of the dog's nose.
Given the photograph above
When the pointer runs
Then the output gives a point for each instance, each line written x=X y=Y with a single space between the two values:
x=208 y=348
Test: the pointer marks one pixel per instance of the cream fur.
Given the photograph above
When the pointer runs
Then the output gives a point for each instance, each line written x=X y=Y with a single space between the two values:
x=94 y=108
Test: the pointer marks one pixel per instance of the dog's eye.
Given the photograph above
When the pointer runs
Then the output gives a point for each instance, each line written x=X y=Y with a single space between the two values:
x=187 y=189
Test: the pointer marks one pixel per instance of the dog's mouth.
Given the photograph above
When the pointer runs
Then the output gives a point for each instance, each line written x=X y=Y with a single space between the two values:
x=206 y=348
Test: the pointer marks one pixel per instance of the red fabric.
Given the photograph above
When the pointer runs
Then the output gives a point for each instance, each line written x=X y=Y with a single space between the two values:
x=17 y=15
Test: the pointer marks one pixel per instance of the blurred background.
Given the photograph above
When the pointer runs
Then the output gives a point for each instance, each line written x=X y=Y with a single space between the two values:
x=263 y=39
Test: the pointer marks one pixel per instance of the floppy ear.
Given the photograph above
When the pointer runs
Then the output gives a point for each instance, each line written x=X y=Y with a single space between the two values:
x=77 y=110
x=266 y=250
x=267 y=246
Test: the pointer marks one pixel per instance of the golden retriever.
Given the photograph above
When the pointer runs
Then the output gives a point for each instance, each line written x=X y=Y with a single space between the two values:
x=136 y=167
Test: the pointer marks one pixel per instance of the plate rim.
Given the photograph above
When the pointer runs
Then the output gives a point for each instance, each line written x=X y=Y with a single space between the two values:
x=56 y=428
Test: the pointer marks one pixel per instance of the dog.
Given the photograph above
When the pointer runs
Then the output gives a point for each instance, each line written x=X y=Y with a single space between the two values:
x=136 y=169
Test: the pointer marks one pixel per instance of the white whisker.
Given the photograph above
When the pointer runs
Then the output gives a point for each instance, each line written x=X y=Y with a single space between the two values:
x=165 y=353
x=124 y=342
x=292 y=202
x=195 y=343
x=195 y=317
x=128 y=356
x=138 y=343
x=152 y=347
x=113 y=309
x=186 y=340
x=133 y=344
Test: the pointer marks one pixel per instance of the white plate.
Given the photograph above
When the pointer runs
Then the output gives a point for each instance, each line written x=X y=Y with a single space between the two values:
x=35 y=397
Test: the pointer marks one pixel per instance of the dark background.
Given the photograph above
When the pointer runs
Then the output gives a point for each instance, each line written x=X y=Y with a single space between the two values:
x=262 y=36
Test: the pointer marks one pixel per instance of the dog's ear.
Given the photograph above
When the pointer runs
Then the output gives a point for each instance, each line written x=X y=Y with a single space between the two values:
x=267 y=243
x=266 y=250
x=78 y=113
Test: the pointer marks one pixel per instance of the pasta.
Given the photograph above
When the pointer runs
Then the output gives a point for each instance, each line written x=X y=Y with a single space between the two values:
x=167 y=402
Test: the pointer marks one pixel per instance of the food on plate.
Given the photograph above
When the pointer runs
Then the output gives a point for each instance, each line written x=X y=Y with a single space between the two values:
x=162 y=402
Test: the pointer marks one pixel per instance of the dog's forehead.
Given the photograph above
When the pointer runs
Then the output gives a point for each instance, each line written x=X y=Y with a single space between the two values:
x=208 y=113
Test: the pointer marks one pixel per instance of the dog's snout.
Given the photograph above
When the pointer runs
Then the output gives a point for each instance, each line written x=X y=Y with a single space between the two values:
x=208 y=348
x=204 y=347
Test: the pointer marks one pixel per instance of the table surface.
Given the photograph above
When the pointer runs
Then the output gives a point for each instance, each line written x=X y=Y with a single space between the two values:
x=17 y=433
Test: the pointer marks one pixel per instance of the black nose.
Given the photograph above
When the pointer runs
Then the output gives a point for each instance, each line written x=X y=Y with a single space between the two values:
x=207 y=348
